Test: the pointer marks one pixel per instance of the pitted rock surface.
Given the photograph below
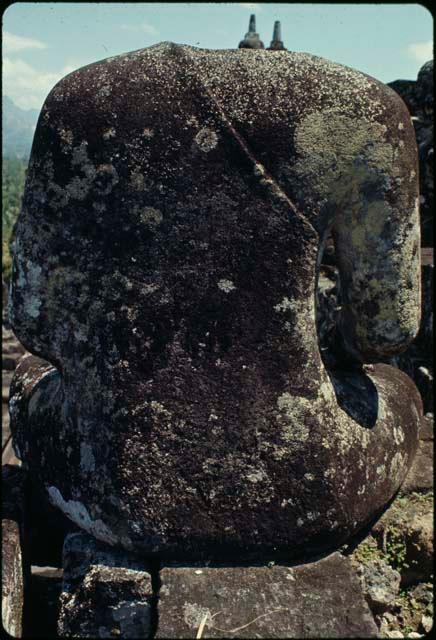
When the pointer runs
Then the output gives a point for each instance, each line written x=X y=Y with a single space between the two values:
x=165 y=264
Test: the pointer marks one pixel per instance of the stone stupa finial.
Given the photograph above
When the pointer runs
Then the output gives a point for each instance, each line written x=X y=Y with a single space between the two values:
x=277 y=42
x=251 y=39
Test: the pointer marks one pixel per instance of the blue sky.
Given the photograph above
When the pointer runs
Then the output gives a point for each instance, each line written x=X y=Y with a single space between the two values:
x=42 y=42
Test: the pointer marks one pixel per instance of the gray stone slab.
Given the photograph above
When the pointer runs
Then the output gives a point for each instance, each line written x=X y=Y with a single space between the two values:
x=323 y=599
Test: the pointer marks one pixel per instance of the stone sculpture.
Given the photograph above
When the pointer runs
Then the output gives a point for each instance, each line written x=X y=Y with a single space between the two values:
x=165 y=265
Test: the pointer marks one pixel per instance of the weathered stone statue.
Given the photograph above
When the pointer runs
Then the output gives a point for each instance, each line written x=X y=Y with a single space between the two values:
x=251 y=39
x=165 y=265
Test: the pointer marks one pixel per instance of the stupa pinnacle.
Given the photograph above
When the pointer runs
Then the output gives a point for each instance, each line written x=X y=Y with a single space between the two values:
x=277 y=42
x=251 y=39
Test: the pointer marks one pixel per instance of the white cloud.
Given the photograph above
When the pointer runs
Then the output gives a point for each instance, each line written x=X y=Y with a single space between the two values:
x=13 y=43
x=27 y=86
x=144 y=27
x=252 y=6
x=421 y=51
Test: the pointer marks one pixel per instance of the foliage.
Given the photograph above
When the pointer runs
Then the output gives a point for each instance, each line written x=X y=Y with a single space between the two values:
x=410 y=611
x=395 y=550
x=394 y=536
x=393 y=546
x=13 y=178
x=367 y=550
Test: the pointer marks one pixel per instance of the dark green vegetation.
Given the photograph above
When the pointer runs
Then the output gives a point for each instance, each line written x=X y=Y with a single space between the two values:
x=13 y=177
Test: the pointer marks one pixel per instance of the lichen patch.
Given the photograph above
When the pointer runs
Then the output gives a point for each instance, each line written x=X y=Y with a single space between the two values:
x=225 y=285
x=78 y=513
x=206 y=139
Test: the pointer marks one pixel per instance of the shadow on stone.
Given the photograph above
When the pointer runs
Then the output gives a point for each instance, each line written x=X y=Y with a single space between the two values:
x=357 y=396
x=44 y=593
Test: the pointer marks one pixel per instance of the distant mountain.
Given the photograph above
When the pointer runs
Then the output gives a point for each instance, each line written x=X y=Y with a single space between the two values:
x=18 y=126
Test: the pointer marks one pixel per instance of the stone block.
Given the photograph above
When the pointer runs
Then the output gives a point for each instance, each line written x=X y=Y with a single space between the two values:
x=106 y=593
x=323 y=599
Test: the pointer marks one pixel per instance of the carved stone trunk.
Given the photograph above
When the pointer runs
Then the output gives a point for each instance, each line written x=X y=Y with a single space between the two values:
x=165 y=264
